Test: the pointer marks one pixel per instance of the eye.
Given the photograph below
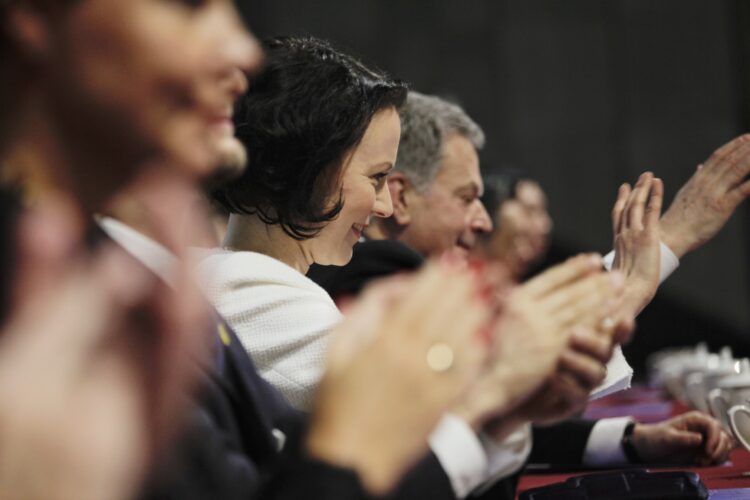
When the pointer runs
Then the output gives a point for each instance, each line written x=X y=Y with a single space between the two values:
x=379 y=177
x=193 y=4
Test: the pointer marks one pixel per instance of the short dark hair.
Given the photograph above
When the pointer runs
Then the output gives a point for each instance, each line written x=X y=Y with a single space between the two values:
x=308 y=107
x=500 y=187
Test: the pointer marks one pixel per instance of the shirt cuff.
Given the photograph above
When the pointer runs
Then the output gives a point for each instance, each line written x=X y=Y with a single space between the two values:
x=604 y=446
x=669 y=263
x=507 y=457
x=668 y=260
x=460 y=453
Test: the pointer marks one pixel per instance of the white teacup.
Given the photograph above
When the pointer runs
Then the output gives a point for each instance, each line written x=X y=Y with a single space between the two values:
x=739 y=423
x=699 y=384
x=729 y=393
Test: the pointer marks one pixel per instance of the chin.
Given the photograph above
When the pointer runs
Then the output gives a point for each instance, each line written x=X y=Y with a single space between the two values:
x=342 y=258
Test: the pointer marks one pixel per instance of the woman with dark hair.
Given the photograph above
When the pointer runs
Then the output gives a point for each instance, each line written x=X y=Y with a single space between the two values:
x=322 y=132
x=522 y=225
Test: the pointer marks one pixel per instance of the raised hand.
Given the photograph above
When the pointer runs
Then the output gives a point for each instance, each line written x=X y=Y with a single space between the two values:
x=705 y=203
x=635 y=224
x=407 y=351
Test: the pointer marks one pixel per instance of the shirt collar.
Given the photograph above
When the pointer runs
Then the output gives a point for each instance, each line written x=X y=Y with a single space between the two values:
x=147 y=251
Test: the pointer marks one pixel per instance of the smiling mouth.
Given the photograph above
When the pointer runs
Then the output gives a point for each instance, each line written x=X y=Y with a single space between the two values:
x=358 y=229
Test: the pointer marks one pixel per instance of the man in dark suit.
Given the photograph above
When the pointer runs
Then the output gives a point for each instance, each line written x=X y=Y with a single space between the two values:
x=435 y=187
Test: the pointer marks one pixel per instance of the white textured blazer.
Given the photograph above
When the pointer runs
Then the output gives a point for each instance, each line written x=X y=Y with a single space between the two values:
x=282 y=317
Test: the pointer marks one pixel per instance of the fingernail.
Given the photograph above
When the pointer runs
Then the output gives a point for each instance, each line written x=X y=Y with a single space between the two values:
x=477 y=266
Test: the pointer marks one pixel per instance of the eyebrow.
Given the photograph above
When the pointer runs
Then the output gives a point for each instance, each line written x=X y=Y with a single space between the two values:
x=472 y=187
x=389 y=166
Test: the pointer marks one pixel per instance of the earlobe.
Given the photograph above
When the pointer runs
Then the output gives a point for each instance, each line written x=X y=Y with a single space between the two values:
x=400 y=187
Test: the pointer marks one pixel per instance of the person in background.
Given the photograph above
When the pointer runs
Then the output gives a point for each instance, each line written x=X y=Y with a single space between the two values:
x=522 y=226
x=427 y=179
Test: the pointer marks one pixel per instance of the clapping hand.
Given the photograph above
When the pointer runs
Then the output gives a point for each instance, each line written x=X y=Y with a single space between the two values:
x=406 y=352
x=709 y=198
x=635 y=224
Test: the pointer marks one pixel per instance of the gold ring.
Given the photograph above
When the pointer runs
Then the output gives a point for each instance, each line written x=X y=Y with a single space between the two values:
x=608 y=323
x=440 y=357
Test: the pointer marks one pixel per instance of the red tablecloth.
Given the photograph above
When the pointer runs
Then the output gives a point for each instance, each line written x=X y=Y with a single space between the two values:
x=648 y=405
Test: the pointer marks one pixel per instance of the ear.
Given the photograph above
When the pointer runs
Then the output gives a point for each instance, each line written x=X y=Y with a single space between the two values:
x=29 y=30
x=401 y=189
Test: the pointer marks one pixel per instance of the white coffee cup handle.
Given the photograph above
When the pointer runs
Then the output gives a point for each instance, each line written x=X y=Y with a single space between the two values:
x=719 y=405
x=733 y=412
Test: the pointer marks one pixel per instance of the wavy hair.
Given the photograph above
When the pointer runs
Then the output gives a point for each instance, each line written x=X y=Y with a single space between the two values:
x=303 y=113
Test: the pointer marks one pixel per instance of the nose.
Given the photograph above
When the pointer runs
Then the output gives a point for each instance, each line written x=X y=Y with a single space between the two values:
x=481 y=221
x=242 y=55
x=383 y=204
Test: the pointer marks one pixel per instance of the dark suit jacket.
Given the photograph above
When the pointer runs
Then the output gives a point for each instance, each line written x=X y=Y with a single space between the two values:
x=228 y=449
x=561 y=444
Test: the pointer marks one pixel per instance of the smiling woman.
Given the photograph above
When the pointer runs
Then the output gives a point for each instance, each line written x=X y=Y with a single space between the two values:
x=322 y=132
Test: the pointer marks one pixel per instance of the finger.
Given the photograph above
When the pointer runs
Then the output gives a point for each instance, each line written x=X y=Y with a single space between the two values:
x=738 y=194
x=734 y=166
x=80 y=313
x=571 y=390
x=561 y=275
x=722 y=451
x=623 y=330
x=710 y=429
x=586 y=302
x=686 y=439
x=653 y=212
x=622 y=197
x=368 y=313
x=587 y=342
x=589 y=372
x=451 y=309
x=45 y=242
x=637 y=201
x=718 y=155
x=422 y=291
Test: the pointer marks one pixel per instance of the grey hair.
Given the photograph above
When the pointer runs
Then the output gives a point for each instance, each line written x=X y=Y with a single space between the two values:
x=426 y=121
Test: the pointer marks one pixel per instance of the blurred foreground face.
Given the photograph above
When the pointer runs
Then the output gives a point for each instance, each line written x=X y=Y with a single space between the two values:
x=143 y=79
x=450 y=215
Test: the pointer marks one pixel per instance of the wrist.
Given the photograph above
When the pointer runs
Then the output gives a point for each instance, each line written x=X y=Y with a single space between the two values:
x=629 y=443
x=481 y=406
x=501 y=427
x=339 y=448
x=637 y=295
x=673 y=239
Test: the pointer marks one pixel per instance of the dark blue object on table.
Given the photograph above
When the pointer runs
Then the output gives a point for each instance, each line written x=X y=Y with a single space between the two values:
x=624 y=485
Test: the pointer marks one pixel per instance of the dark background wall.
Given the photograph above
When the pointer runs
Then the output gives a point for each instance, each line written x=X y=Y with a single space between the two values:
x=583 y=94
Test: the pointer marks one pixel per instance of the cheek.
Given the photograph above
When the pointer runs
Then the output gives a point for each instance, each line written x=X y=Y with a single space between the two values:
x=359 y=201
x=144 y=68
